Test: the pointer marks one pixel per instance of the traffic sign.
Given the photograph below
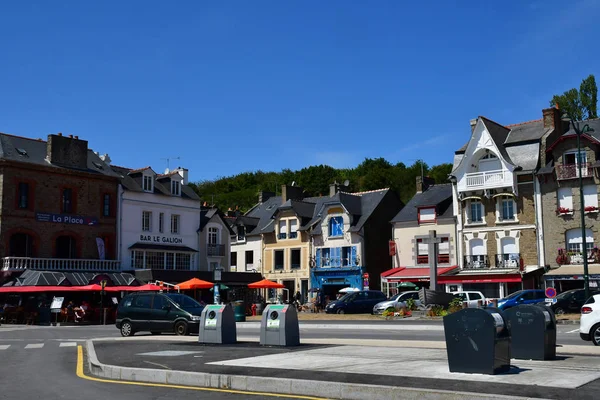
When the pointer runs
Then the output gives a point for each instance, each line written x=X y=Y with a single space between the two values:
x=550 y=292
x=553 y=301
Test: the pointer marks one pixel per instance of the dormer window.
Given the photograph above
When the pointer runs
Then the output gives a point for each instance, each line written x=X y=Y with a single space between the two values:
x=427 y=215
x=175 y=188
x=148 y=183
x=336 y=226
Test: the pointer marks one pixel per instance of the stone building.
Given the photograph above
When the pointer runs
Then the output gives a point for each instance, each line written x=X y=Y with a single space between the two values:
x=561 y=203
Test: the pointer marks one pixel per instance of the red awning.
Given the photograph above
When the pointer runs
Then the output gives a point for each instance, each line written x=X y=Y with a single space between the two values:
x=480 y=279
x=391 y=271
x=415 y=274
x=85 y=288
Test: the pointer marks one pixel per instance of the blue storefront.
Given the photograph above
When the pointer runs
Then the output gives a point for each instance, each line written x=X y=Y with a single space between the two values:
x=336 y=268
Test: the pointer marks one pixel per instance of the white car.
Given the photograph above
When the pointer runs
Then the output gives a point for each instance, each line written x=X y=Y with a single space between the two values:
x=589 y=325
x=472 y=298
x=397 y=301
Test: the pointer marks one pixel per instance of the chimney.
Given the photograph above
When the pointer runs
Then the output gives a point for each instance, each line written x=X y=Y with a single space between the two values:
x=424 y=183
x=264 y=196
x=184 y=174
x=552 y=118
x=291 y=192
x=67 y=151
x=103 y=157
x=473 y=123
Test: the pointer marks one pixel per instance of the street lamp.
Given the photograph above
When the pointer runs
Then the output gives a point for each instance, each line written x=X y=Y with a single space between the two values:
x=586 y=128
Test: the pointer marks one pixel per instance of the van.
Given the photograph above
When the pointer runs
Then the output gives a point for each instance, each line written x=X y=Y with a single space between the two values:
x=157 y=313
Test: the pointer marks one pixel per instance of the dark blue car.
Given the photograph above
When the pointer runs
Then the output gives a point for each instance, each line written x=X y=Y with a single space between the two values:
x=529 y=296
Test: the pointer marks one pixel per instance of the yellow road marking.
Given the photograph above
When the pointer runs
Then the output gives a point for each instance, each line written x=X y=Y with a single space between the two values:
x=82 y=375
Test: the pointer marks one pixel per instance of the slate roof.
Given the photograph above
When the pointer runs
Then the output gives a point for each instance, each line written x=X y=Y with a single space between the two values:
x=206 y=214
x=133 y=184
x=499 y=135
x=263 y=212
x=34 y=151
x=435 y=195
x=593 y=123
x=526 y=131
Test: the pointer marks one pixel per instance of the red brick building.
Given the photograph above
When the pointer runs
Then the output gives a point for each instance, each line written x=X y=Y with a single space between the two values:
x=58 y=199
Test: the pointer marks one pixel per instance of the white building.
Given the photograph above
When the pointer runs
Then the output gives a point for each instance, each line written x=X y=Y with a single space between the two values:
x=158 y=220
x=215 y=241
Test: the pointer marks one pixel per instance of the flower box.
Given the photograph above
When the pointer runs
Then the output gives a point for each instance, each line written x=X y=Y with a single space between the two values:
x=563 y=211
x=591 y=209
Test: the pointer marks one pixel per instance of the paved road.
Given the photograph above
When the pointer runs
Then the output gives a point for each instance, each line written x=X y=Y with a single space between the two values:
x=40 y=362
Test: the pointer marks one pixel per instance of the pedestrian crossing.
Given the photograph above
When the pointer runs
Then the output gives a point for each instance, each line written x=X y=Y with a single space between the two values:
x=36 y=346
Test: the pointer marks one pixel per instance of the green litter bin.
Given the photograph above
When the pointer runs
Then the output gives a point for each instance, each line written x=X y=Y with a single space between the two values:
x=239 y=311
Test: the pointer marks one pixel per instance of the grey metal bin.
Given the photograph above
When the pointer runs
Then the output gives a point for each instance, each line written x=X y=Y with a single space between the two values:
x=279 y=326
x=217 y=325
x=533 y=331
x=477 y=341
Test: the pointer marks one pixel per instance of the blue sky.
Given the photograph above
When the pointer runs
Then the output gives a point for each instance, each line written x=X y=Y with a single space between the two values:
x=241 y=86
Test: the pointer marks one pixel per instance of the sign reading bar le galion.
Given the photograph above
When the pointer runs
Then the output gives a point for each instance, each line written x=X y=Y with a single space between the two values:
x=66 y=219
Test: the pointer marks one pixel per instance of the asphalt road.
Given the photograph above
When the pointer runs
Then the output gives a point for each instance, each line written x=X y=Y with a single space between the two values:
x=40 y=362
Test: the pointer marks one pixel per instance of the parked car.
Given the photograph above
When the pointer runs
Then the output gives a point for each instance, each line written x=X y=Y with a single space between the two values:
x=472 y=298
x=589 y=324
x=397 y=301
x=528 y=296
x=356 y=302
x=570 y=301
x=158 y=313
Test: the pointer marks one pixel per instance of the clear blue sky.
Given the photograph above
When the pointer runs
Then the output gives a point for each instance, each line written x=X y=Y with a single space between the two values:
x=240 y=86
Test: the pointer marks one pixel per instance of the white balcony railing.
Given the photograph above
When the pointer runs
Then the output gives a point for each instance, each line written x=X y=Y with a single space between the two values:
x=59 y=264
x=486 y=180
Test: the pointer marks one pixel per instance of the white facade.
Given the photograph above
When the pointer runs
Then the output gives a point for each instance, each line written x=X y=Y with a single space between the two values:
x=215 y=245
x=246 y=254
x=157 y=231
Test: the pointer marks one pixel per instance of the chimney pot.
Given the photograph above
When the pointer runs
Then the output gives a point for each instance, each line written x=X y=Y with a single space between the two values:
x=473 y=123
x=59 y=133
x=76 y=137
x=71 y=136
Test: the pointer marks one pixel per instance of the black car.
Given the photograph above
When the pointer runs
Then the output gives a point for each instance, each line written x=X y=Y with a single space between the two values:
x=158 y=313
x=356 y=302
x=570 y=301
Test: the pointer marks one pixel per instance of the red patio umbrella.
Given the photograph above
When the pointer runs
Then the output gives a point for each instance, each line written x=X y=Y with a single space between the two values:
x=194 y=283
x=265 y=284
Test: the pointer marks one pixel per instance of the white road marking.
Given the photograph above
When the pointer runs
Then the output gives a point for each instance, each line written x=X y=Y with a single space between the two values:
x=67 y=344
x=4 y=346
x=169 y=353
x=573 y=331
x=160 y=365
x=34 y=346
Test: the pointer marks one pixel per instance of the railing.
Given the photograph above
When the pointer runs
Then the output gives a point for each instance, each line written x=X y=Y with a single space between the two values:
x=571 y=171
x=295 y=266
x=59 y=264
x=577 y=258
x=215 y=250
x=476 y=262
x=442 y=259
x=282 y=236
x=293 y=235
x=509 y=260
x=485 y=180
x=329 y=262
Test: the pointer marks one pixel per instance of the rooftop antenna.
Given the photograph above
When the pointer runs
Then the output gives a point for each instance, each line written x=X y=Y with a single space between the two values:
x=169 y=162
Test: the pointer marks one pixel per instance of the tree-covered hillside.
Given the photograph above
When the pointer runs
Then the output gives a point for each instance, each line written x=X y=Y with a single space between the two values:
x=241 y=190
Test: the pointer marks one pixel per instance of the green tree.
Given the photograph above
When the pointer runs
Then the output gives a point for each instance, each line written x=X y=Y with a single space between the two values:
x=580 y=104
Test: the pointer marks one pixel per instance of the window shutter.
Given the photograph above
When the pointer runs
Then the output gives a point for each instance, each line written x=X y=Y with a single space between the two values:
x=294 y=225
x=565 y=198
x=353 y=255
x=318 y=260
x=590 y=196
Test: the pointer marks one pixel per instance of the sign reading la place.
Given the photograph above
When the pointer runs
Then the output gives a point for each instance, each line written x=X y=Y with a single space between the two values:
x=160 y=239
x=66 y=219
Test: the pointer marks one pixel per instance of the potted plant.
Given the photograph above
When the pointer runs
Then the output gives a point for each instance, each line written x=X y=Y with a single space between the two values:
x=563 y=210
x=591 y=209
x=562 y=258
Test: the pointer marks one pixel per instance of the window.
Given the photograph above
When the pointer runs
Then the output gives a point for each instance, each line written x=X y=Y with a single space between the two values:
x=278 y=259
x=67 y=201
x=161 y=222
x=475 y=296
x=295 y=258
x=565 y=198
x=106 y=205
x=570 y=158
x=23 y=195
x=346 y=256
x=336 y=226
x=175 y=188
x=155 y=260
x=241 y=232
x=233 y=258
x=293 y=228
x=66 y=247
x=182 y=261
x=175 y=223
x=422 y=252
x=427 y=215
x=575 y=240
x=475 y=212
x=590 y=197
x=213 y=235
x=160 y=302
x=444 y=251
x=146 y=221
x=507 y=208
x=148 y=183
x=282 y=230
x=21 y=245
x=143 y=301
x=249 y=260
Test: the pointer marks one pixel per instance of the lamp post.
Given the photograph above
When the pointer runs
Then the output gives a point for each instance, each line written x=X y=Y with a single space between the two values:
x=586 y=128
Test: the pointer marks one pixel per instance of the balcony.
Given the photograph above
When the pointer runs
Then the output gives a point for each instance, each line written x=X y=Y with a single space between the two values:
x=336 y=262
x=282 y=236
x=442 y=259
x=485 y=180
x=293 y=235
x=476 y=262
x=508 y=261
x=577 y=258
x=571 y=171
x=215 y=250
x=59 y=264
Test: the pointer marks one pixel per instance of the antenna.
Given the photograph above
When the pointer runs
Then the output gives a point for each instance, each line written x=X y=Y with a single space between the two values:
x=169 y=162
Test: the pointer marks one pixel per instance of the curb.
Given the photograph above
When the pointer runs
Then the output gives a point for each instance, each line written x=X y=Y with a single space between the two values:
x=301 y=387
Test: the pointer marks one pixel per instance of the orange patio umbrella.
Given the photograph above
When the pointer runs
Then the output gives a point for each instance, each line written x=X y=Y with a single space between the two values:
x=265 y=284
x=194 y=283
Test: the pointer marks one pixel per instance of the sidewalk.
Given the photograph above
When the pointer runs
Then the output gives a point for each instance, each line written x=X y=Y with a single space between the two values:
x=337 y=370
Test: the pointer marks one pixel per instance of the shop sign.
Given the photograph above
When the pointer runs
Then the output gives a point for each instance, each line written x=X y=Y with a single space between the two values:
x=160 y=239
x=66 y=219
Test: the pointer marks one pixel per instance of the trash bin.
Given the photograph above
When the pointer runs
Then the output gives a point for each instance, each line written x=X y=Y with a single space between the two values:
x=217 y=325
x=239 y=311
x=279 y=326
x=533 y=331
x=477 y=341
